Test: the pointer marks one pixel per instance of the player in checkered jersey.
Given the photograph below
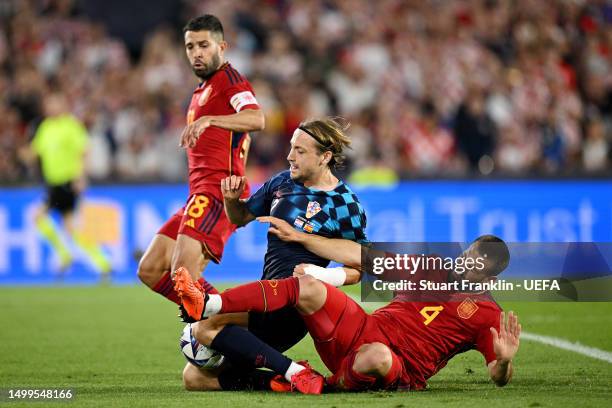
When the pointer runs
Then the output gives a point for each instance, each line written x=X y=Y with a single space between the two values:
x=313 y=200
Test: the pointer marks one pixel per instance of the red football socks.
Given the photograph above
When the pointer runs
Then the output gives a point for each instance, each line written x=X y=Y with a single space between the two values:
x=261 y=296
x=208 y=288
x=165 y=287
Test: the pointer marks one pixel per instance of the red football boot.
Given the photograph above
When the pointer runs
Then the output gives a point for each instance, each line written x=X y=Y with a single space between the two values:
x=307 y=381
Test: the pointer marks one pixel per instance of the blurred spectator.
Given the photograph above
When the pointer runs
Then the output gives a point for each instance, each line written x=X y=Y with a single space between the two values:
x=474 y=129
x=552 y=142
x=427 y=146
x=517 y=152
x=433 y=88
x=596 y=151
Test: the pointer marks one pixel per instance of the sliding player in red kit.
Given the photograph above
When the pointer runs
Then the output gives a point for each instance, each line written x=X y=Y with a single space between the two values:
x=400 y=345
x=222 y=111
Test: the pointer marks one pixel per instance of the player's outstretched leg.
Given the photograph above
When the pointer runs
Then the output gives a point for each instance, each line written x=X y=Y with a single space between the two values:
x=373 y=366
x=306 y=293
x=260 y=296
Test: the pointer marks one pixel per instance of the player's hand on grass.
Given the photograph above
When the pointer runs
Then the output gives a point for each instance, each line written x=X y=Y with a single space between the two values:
x=192 y=132
x=281 y=229
x=232 y=187
x=506 y=342
x=300 y=270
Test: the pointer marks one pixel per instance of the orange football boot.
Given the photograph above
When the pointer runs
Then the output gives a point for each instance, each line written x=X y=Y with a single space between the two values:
x=190 y=292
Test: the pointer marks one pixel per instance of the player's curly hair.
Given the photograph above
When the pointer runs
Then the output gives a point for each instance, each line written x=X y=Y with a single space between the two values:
x=330 y=134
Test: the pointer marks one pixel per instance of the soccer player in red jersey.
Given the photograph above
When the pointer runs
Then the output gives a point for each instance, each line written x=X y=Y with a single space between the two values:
x=400 y=345
x=222 y=111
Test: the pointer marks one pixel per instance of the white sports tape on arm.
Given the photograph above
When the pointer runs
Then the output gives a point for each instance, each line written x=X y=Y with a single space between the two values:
x=333 y=276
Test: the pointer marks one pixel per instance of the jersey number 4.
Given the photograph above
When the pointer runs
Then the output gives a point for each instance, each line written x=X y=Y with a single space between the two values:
x=430 y=313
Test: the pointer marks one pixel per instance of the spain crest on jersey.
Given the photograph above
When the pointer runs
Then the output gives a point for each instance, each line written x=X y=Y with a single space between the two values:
x=204 y=96
x=312 y=209
x=467 y=308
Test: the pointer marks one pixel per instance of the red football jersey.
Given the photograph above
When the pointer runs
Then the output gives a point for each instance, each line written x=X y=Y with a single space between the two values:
x=428 y=334
x=218 y=152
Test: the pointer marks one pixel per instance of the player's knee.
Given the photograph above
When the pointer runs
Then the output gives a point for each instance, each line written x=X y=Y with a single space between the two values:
x=373 y=358
x=310 y=287
x=189 y=254
x=190 y=378
x=205 y=331
x=195 y=380
x=150 y=270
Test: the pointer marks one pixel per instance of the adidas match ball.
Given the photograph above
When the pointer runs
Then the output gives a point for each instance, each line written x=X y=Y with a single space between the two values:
x=198 y=354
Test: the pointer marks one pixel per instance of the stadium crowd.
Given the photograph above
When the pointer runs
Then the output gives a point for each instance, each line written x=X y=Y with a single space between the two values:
x=431 y=88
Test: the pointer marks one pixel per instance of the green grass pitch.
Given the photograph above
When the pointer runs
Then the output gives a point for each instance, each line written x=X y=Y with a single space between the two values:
x=118 y=346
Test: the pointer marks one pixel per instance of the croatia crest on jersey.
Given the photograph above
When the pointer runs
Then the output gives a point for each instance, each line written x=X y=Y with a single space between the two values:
x=312 y=209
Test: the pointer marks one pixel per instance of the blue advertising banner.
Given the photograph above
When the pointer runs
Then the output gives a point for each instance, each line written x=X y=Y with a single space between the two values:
x=124 y=219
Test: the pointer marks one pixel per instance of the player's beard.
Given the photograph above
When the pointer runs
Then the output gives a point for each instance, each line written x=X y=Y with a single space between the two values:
x=302 y=175
x=208 y=69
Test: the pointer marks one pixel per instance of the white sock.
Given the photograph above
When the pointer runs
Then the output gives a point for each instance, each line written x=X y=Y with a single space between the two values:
x=293 y=369
x=213 y=305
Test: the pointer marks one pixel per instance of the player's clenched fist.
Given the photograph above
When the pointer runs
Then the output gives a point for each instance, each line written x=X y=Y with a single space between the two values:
x=232 y=187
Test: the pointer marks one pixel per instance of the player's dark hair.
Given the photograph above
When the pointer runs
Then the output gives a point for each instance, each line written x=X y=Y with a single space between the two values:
x=207 y=22
x=330 y=135
x=496 y=250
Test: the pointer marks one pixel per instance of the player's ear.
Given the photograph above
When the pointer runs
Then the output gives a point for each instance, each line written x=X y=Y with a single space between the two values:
x=222 y=45
x=492 y=279
x=327 y=156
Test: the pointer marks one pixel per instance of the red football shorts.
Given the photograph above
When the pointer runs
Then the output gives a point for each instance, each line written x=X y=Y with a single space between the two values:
x=204 y=220
x=340 y=327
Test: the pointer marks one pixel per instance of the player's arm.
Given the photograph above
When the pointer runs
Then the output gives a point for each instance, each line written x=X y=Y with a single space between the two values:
x=343 y=251
x=235 y=208
x=247 y=120
x=27 y=155
x=339 y=276
x=31 y=152
x=505 y=346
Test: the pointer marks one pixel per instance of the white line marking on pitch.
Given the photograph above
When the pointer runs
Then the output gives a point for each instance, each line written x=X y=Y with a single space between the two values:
x=548 y=340
x=568 y=345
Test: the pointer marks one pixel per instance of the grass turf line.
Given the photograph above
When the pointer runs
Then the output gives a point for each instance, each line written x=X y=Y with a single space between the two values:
x=118 y=346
